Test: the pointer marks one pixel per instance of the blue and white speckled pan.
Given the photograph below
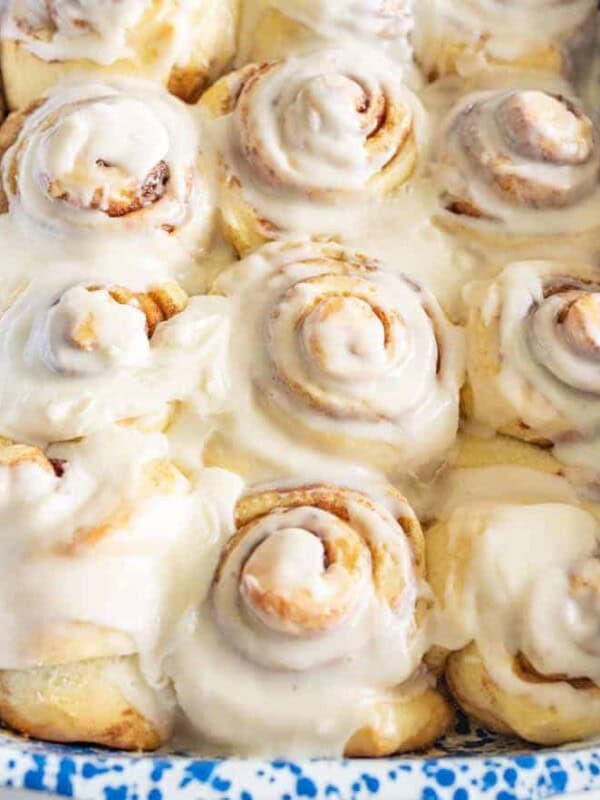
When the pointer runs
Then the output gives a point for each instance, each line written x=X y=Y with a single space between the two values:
x=470 y=764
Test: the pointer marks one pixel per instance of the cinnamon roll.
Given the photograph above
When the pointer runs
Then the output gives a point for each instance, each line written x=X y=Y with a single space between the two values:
x=77 y=360
x=180 y=44
x=315 y=617
x=519 y=166
x=533 y=352
x=330 y=354
x=515 y=565
x=300 y=136
x=102 y=701
x=120 y=158
x=465 y=36
x=279 y=28
x=105 y=544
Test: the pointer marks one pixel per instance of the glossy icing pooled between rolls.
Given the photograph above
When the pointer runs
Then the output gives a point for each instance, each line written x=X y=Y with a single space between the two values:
x=242 y=343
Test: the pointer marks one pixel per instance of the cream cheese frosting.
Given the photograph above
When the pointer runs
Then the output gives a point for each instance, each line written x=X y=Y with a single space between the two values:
x=504 y=31
x=529 y=584
x=77 y=361
x=326 y=373
x=104 y=533
x=97 y=30
x=102 y=156
x=322 y=673
x=380 y=23
x=328 y=350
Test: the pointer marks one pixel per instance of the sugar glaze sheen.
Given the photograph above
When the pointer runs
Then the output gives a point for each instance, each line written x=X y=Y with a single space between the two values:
x=152 y=388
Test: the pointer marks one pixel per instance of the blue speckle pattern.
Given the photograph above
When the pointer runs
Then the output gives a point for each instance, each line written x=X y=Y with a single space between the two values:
x=470 y=764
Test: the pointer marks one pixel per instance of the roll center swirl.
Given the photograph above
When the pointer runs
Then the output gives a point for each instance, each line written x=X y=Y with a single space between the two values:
x=323 y=125
x=534 y=150
x=343 y=336
x=346 y=338
x=305 y=580
x=581 y=325
x=84 y=164
x=312 y=107
x=545 y=127
x=564 y=336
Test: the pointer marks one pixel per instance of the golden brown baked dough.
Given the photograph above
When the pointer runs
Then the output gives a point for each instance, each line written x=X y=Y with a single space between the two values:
x=474 y=690
x=274 y=146
x=67 y=676
x=532 y=351
x=138 y=164
x=515 y=656
x=78 y=702
x=158 y=304
x=406 y=725
x=291 y=632
x=159 y=39
x=463 y=36
x=519 y=167
x=348 y=360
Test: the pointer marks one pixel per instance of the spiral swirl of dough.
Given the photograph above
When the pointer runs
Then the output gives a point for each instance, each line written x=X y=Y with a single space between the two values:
x=309 y=135
x=520 y=161
x=119 y=156
x=80 y=359
x=318 y=582
x=323 y=125
x=519 y=592
x=302 y=565
x=534 y=351
x=343 y=356
x=79 y=514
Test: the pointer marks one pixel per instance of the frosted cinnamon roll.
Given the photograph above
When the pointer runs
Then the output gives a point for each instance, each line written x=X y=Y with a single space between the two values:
x=312 y=131
x=330 y=354
x=515 y=565
x=180 y=44
x=315 y=617
x=278 y=28
x=465 y=36
x=533 y=351
x=77 y=360
x=120 y=157
x=104 y=545
x=519 y=165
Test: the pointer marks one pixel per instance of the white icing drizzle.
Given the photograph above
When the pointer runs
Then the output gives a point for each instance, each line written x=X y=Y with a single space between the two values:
x=529 y=584
x=504 y=31
x=339 y=352
x=110 y=535
x=156 y=704
x=396 y=218
x=331 y=646
x=109 y=157
x=102 y=31
x=76 y=361
x=250 y=682
x=547 y=317
x=325 y=126
x=369 y=18
x=379 y=23
x=524 y=161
